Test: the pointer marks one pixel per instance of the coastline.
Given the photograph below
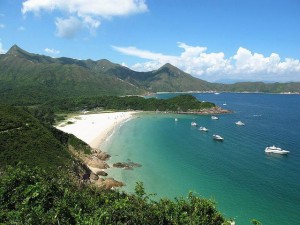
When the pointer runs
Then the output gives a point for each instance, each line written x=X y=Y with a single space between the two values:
x=94 y=129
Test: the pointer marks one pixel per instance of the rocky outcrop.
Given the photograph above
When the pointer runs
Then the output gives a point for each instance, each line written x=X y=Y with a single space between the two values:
x=95 y=162
x=100 y=155
x=108 y=183
x=209 y=111
x=101 y=173
x=126 y=165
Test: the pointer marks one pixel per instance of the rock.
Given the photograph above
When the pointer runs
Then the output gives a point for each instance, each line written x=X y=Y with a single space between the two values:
x=94 y=176
x=120 y=165
x=126 y=165
x=103 y=155
x=96 y=163
x=111 y=182
x=101 y=173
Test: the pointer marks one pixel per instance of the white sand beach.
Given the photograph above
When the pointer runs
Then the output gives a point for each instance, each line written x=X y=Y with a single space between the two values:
x=94 y=128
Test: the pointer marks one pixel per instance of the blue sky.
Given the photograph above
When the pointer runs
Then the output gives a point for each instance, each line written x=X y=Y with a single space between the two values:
x=214 y=40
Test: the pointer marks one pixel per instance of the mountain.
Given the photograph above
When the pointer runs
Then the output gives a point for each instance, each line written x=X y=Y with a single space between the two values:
x=35 y=78
x=27 y=78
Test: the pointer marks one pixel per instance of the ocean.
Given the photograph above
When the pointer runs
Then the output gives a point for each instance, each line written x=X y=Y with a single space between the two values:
x=237 y=174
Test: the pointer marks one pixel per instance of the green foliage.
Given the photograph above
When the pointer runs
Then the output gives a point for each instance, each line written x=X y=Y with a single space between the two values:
x=32 y=196
x=30 y=79
x=179 y=103
x=23 y=138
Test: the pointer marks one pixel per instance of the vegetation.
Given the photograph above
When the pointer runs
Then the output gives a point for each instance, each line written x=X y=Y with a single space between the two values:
x=29 y=145
x=179 y=103
x=23 y=138
x=29 y=79
x=32 y=196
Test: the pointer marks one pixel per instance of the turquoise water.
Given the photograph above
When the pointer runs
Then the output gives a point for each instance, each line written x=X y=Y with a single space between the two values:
x=245 y=182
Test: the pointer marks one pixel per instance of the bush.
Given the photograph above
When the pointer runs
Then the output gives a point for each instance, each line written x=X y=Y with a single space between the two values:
x=32 y=196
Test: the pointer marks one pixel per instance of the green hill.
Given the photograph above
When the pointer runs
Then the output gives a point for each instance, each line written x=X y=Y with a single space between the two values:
x=31 y=78
x=27 y=78
x=23 y=138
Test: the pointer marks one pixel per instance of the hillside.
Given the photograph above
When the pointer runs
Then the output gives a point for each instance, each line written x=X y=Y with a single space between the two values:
x=35 y=78
x=25 y=139
x=27 y=78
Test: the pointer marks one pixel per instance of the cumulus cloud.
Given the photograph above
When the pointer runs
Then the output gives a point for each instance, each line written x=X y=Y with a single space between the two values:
x=88 y=12
x=51 y=51
x=67 y=28
x=2 y=26
x=243 y=65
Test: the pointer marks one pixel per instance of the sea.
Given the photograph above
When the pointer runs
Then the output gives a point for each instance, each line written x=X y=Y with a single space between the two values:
x=243 y=181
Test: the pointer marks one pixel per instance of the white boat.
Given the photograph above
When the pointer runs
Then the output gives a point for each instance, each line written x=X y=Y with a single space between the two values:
x=225 y=103
x=217 y=137
x=193 y=124
x=176 y=119
x=214 y=118
x=203 y=129
x=217 y=93
x=240 y=123
x=276 y=150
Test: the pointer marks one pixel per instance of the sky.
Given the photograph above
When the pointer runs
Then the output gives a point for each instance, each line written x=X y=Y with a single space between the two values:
x=214 y=40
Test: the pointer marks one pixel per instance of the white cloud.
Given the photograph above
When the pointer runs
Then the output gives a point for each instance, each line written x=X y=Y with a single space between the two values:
x=2 y=26
x=67 y=28
x=52 y=51
x=243 y=65
x=88 y=12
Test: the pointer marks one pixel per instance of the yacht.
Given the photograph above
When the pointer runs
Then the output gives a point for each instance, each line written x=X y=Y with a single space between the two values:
x=203 y=129
x=217 y=137
x=214 y=118
x=193 y=124
x=240 y=123
x=276 y=150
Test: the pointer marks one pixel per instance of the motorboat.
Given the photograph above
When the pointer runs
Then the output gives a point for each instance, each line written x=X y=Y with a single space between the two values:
x=217 y=137
x=193 y=124
x=240 y=123
x=214 y=118
x=203 y=129
x=276 y=150
x=176 y=119
x=225 y=103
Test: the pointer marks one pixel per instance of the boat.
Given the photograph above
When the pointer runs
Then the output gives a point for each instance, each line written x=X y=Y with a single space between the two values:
x=276 y=150
x=176 y=119
x=217 y=137
x=214 y=118
x=203 y=129
x=193 y=124
x=217 y=93
x=225 y=103
x=240 y=123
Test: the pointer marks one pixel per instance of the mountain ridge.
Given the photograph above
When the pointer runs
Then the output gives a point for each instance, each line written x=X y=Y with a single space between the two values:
x=35 y=78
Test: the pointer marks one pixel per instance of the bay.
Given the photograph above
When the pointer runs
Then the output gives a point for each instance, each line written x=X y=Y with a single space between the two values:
x=245 y=182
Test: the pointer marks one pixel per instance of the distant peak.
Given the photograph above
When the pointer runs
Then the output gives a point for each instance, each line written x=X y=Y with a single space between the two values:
x=170 y=68
x=16 y=50
x=168 y=65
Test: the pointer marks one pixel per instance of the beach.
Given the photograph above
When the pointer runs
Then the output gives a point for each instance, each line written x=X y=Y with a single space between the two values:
x=94 y=128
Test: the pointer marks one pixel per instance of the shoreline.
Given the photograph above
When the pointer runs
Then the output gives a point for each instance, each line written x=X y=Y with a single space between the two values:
x=94 y=128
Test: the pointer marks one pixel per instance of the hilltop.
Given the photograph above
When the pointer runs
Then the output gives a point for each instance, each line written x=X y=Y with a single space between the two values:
x=28 y=78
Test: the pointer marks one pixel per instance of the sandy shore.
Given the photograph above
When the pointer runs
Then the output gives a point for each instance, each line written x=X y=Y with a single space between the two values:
x=94 y=128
